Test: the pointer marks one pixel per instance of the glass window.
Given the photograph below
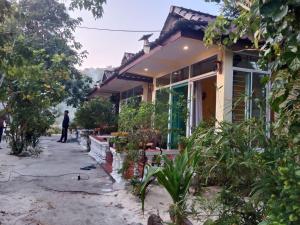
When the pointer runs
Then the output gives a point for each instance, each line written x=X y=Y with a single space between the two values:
x=163 y=81
x=132 y=92
x=204 y=66
x=258 y=96
x=245 y=61
x=180 y=75
x=240 y=90
x=138 y=90
x=249 y=96
x=124 y=95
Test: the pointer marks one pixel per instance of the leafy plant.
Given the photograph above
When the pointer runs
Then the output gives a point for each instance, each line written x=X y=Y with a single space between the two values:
x=136 y=185
x=230 y=159
x=175 y=176
x=135 y=116
x=253 y=170
x=37 y=67
x=95 y=6
x=182 y=143
x=161 y=118
x=120 y=143
x=274 y=28
x=96 y=113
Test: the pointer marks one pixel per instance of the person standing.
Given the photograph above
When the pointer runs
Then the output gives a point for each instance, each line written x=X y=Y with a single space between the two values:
x=65 y=127
x=2 y=120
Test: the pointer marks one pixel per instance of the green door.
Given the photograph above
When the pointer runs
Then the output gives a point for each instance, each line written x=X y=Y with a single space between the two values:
x=178 y=113
x=161 y=121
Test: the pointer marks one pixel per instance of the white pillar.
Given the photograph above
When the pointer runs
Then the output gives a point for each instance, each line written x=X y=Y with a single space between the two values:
x=154 y=90
x=224 y=87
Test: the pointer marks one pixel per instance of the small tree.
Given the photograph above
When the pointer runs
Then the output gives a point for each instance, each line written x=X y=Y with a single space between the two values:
x=175 y=177
x=96 y=113
x=38 y=56
x=274 y=28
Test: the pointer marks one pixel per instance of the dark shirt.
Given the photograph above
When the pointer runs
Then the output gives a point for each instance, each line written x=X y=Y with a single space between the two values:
x=65 y=123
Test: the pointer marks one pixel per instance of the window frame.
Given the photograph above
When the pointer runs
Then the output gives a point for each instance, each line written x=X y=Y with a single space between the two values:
x=248 y=103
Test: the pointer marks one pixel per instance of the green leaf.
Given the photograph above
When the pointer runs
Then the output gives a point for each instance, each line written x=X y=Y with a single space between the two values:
x=295 y=64
x=263 y=223
x=209 y=222
x=293 y=48
x=282 y=13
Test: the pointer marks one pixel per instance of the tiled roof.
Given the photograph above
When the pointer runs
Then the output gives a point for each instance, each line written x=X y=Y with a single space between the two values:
x=107 y=74
x=182 y=14
x=126 y=57
x=192 y=15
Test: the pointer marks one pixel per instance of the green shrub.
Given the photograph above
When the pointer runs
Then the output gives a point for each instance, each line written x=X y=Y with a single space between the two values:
x=175 y=176
x=95 y=113
x=258 y=173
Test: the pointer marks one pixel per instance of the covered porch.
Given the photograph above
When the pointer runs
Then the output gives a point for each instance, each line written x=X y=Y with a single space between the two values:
x=193 y=76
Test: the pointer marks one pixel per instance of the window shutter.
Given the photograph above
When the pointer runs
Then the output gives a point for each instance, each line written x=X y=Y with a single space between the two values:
x=238 y=98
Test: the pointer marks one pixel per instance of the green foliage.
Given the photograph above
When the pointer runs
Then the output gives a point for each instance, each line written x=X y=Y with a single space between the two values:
x=136 y=184
x=273 y=26
x=146 y=116
x=95 y=6
x=135 y=116
x=230 y=159
x=161 y=118
x=119 y=143
x=254 y=169
x=286 y=211
x=136 y=119
x=4 y=9
x=38 y=57
x=53 y=130
x=95 y=113
x=175 y=176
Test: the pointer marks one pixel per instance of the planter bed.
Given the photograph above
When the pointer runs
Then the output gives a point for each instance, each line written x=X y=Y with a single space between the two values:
x=112 y=161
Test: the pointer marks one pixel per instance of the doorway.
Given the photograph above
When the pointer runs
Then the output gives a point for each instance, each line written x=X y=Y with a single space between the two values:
x=204 y=101
x=179 y=96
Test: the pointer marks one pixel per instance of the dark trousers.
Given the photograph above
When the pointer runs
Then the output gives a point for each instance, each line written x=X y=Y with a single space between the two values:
x=1 y=132
x=64 y=134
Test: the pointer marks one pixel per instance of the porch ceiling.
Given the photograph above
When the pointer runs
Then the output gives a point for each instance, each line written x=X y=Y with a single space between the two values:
x=164 y=59
x=117 y=85
x=102 y=92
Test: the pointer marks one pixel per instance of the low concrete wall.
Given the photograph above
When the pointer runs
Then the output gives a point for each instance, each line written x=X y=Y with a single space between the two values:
x=83 y=139
x=98 y=149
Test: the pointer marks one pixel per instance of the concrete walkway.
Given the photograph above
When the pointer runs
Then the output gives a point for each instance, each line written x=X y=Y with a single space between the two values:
x=46 y=190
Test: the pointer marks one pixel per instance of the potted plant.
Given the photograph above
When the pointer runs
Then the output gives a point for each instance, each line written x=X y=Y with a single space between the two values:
x=119 y=143
x=182 y=143
x=176 y=177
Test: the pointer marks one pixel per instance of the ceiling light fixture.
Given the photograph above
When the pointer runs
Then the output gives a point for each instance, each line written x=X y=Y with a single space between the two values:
x=185 y=47
x=146 y=69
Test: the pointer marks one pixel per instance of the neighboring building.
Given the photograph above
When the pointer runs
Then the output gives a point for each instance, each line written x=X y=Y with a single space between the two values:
x=211 y=78
x=95 y=74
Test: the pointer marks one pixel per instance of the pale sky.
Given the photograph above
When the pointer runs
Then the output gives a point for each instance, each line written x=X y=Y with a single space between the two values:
x=107 y=48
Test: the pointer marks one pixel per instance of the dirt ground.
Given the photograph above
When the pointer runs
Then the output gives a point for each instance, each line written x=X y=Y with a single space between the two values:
x=46 y=190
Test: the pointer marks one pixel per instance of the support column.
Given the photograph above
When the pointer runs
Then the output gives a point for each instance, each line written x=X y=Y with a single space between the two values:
x=145 y=97
x=224 y=87
x=154 y=90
